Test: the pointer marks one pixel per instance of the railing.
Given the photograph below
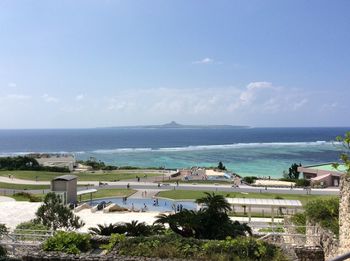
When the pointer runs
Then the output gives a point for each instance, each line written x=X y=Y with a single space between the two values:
x=24 y=237
x=342 y=257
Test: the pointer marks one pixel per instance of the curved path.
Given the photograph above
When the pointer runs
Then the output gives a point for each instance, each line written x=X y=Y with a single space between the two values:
x=210 y=187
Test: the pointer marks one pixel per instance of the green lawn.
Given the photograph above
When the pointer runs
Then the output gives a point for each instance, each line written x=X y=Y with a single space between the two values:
x=194 y=194
x=47 y=176
x=22 y=187
x=26 y=198
x=108 y=193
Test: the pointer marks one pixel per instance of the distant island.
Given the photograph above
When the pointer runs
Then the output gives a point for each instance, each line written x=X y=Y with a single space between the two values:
x=175 y=125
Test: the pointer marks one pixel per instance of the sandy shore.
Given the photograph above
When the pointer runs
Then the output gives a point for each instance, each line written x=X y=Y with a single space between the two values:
x=277 y=183
x=15 y=212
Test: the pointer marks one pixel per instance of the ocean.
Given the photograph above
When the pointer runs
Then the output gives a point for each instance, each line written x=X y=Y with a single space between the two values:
x=250 y=151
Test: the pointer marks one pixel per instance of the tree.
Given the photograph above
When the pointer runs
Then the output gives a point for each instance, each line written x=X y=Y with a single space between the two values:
x=107 y=230
x=210 y=222
x=214 y=202
x=345 y=156
x=55 y=215
x=221 y=166
x=293 y=172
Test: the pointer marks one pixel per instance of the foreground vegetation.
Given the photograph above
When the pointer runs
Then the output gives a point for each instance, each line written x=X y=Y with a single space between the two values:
x=173 y=246
x=196 y=194
x=323 y=212
x=4 y=185
x=88 y=176
x=207 y=234
x=108 y=193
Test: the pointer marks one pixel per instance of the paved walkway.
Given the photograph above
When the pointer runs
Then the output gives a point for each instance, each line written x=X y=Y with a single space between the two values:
x=150 y=186
x=6 y=199
x=148 y=193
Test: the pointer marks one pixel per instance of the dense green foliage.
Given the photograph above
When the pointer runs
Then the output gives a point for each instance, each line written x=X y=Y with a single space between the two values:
x=345 y=156
x=133 y=228
x=299 y=219
x=211 y=222
x=114 y=239
x=293 y=172
x=173 y=246
x=26 y=229
x=54 y=214
x=302 y=183
x=26 y=163
x=3 y=230
x=29 y=196
x=324 y=212
x=68 y=242
x=3 y=253
x=249 y=179
x=221 y=166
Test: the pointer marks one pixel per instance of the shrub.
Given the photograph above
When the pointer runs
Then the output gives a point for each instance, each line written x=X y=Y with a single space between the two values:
x=249 y=179
x=29 y=228
x=178 y=247
x=3 y=230
x=3 y=252
x=299 y=219
x=54 y=214
x=324 y=212
x=115 y=239
x=68 y=242
x=107 y=230
x=302 y=183
x=29 y=196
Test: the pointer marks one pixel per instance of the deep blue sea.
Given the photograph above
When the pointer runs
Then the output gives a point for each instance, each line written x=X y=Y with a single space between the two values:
x=251 y=151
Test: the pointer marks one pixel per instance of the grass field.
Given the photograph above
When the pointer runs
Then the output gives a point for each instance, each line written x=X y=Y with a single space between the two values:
x=47 y=176
x=26 y=198
x=22 y=187
x=190 y=194
x=108 y=193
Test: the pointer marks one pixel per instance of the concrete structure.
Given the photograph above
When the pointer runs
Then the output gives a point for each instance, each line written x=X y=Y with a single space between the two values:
x=56 y=160
x=324 y=175
x=274 y=204
x=218 y=175
x=66 y=186
x=344 y=214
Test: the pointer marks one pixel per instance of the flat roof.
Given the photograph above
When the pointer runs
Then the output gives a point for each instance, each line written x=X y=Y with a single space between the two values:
x=327 y=167
x=66 y=177
x=264 y=202
x=86 y=191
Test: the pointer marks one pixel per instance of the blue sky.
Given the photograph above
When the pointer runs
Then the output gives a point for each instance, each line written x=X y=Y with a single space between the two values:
x=107 y=63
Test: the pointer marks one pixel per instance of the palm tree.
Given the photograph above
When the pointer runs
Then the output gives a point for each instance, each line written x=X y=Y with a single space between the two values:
x=134 y=228
x=184 y=223
x=107 y=230
x=214 y=202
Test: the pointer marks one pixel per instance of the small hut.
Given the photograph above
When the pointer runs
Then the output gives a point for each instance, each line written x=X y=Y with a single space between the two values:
x=66 y=186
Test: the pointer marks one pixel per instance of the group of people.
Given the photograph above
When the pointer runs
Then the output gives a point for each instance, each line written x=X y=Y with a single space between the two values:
x=177 y=208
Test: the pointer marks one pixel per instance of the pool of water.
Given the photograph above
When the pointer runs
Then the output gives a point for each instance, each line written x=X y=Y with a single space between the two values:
x=139 y=203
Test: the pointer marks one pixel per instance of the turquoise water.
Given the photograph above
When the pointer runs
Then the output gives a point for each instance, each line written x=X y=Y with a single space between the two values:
x=139 y=203
x=269 y=159
x=248 y=151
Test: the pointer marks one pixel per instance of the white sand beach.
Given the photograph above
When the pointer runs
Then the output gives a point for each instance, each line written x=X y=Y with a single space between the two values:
x=277 y=183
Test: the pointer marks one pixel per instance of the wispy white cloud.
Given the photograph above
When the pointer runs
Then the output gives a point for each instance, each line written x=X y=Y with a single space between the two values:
x=205 y=60
x=79 y=97
x=17 y=97
x=49 y=99
x=12 y=84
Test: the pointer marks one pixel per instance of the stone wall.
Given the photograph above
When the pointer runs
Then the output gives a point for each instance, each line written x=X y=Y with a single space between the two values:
x=324 y=238
x=344 y=215
x=309 y=253
x=57 y=256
